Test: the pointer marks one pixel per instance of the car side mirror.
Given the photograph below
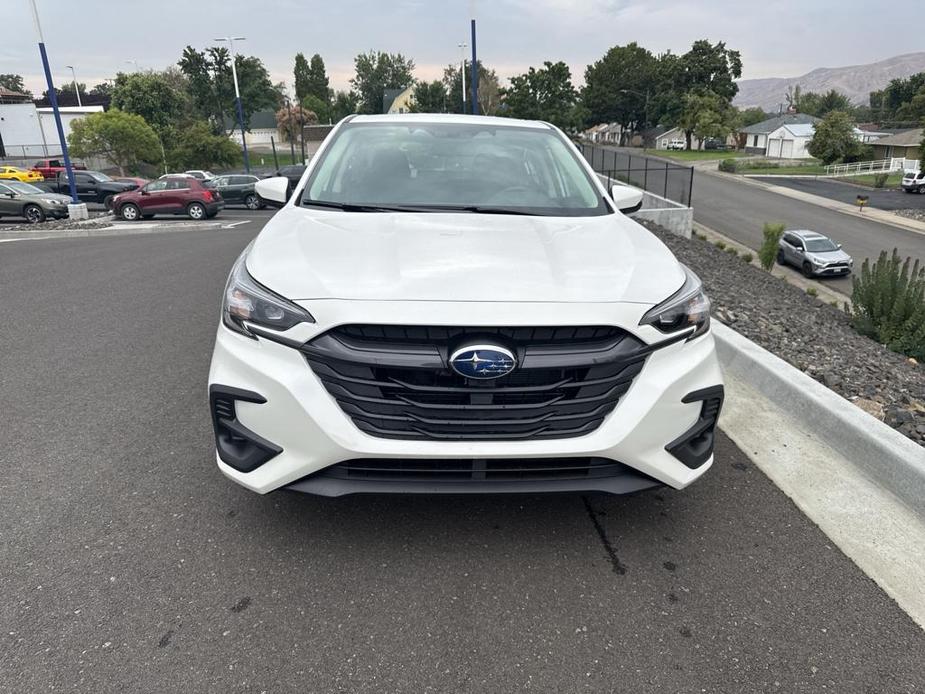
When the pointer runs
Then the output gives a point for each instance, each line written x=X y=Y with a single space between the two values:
x=626 y=199
x=273 y=191
x=838 y=246
x=143 y=191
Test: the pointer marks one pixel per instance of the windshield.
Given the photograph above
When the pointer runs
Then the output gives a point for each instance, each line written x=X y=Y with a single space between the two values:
x=820 y=245
x=452 y=166
x=99 y=176
x=23 y=188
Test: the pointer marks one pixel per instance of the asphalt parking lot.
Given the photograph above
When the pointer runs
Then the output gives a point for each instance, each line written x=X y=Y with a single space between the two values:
x=848 y=192
x=128 y=563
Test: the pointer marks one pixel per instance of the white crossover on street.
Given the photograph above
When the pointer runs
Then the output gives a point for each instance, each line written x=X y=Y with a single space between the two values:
x=456 y=304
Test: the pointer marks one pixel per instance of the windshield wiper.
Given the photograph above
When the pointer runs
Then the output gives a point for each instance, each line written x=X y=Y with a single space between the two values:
x=351 y=207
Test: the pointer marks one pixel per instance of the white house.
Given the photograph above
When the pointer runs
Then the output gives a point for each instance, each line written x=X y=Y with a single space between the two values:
x=756 y=138
x=790 y=141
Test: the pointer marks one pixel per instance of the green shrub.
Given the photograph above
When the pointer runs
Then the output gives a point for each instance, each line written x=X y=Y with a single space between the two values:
x=812 y=291
x=732 y=251
x=768 y=252
x=720 y=244
x=889 y=303
x=747 y=257
x=728 y=165
x=880 y=180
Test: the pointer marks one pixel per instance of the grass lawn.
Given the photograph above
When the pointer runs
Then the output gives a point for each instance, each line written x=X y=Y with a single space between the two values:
x=695 y=154
x=892 y=181
x=800 y=170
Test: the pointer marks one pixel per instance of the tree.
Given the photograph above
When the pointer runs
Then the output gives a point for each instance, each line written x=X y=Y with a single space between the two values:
x=707 y=115
x=289 y=121
x=818 y=104
x=195 y=146
x=712 y=68
x=834 y=139
x=301 y=76
x=152 y=95
x=546 y=94
x=317 y=84
x=750 y=116
x=616 y=87
x=343 y=105
x=489 y=89
x=489 y=94
x=14 y=83
x=123 y=138
x=321 y=109
x=102 y=90
x=376 y=72
x=428 y=97
x=211 y=87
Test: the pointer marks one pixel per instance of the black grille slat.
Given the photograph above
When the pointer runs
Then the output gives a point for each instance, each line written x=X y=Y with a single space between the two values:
x=394 y=381
x=475 y=469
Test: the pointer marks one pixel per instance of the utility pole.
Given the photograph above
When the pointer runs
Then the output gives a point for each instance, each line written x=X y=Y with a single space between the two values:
x=237 y=96
x=291 y=133
x=75 y=210
x=76 y=88
x=474 y=75
x=462 y=72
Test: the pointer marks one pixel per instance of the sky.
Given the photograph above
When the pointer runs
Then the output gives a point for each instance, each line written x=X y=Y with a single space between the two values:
x=777 y=38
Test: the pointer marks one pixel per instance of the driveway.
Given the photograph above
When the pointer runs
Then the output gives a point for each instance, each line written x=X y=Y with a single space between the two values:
x=848 y=192
x=129 y=563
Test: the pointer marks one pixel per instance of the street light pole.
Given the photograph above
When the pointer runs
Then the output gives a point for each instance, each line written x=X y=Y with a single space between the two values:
x=76 y=88
x=462 y=72
x=474 y=75
x=237 y=95
x=52 y=97
x=133 y=62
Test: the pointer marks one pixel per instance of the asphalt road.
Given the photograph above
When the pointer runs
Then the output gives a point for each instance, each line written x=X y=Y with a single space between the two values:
x=848 y=193
x=739 y=211
x=129 y=563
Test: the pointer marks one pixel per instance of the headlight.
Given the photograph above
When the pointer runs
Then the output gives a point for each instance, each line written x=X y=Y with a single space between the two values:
x=687 y=308
x=248 y=302
x=52 y=201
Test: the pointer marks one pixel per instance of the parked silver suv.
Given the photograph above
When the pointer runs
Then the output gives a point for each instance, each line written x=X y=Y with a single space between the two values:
x=816 y=255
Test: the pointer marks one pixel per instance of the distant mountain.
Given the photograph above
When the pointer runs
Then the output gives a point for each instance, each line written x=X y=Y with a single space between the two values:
x=855 y=81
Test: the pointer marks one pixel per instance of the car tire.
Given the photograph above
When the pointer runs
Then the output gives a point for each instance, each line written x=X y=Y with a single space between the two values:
x=33 y=214
x=130 y=213
x=107 y=202
x=781 y=260
x=251 y=202
x=807 y=270
x=196 y=210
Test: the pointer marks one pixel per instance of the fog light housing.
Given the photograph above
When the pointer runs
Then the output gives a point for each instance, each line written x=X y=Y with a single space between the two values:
x=237 y=445
x=695 y=446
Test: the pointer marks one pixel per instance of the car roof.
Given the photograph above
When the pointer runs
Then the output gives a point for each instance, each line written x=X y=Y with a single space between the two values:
x=807 y=234
x=456 y=118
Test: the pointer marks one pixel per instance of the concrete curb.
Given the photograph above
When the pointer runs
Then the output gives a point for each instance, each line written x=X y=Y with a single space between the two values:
x=113 y=230
x=878 y=451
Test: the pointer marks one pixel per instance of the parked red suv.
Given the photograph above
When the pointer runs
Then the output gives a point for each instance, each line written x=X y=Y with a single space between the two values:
x=49 y=168
x=172 y=195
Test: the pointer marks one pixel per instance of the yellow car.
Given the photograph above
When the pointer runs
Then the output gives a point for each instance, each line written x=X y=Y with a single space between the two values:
x=14 y=173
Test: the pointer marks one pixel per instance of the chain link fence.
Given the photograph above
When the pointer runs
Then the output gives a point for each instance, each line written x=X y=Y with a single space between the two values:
x=672 y=181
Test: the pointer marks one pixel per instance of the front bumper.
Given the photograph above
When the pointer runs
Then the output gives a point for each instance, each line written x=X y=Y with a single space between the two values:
x=312 y=439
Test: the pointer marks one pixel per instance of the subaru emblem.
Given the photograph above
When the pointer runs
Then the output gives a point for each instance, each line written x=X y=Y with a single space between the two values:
x=483 y=361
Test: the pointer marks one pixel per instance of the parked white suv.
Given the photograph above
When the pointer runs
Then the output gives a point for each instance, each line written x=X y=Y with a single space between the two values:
x=913 y=181
x=454 y=304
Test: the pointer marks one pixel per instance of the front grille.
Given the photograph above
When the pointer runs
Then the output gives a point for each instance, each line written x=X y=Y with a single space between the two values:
x=395 y=382
x=475 y=469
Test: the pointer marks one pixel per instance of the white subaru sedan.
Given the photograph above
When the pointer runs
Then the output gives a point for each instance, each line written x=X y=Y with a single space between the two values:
x=456 y=304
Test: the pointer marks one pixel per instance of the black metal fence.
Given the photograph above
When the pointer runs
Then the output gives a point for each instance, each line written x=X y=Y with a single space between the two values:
x=672 y=181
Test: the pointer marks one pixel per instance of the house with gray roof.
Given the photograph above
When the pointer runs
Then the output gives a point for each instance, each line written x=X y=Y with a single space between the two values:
x=758 y=137
x=903 y=145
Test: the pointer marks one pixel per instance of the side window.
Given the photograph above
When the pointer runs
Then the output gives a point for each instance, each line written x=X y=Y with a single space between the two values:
x=155 y=186
x=220 y=181
x=177 y=184
x=4 y=190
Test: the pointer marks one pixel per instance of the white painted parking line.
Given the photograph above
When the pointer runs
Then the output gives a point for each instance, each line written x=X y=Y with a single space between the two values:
x=235 y=224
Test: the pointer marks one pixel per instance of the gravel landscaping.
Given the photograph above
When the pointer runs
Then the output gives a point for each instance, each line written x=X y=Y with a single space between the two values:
x=813 y=336
x=98 y=220
x=912 y=214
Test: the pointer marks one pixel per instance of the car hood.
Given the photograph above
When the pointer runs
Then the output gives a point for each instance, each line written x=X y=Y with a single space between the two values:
x=830 y=256
x=48 y=196
x=320 y=254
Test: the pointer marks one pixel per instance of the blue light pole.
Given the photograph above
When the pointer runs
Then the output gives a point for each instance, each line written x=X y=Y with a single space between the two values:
x=53 y=98
x=237 y=96
x=475 y=75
